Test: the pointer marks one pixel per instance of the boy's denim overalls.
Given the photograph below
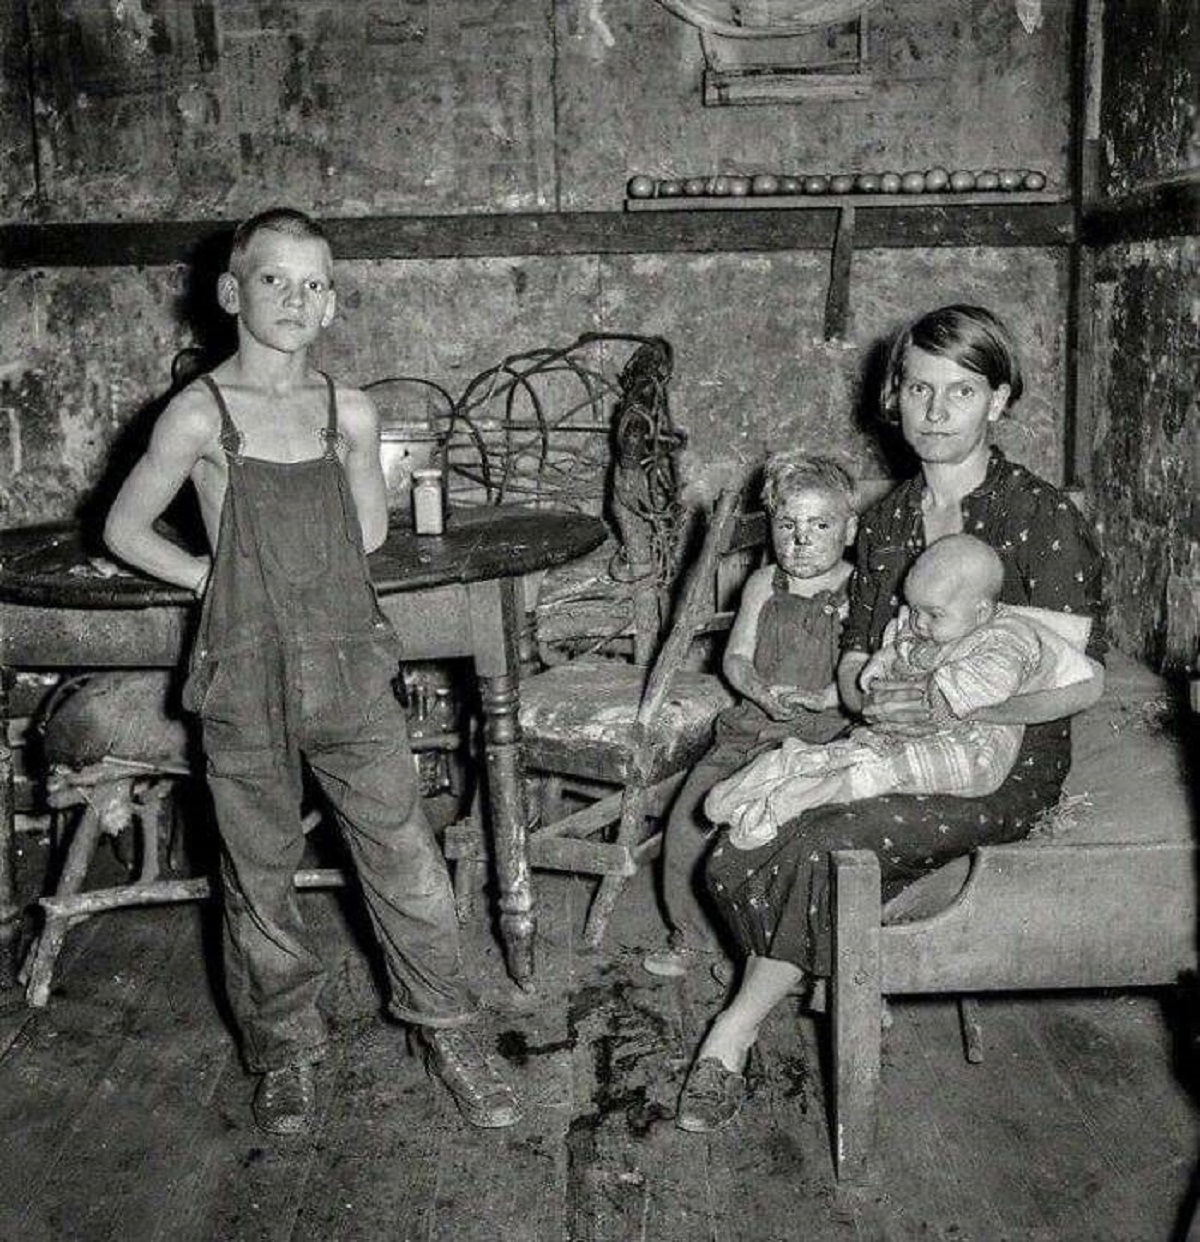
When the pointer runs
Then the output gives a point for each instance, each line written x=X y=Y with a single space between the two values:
x=293 y=657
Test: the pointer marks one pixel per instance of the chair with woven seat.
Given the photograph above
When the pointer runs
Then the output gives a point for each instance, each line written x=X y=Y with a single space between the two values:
x=621 y=734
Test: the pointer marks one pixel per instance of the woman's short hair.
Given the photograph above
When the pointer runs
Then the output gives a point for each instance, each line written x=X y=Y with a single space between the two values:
x=969 y=335
x=789 y=472
x=285 y=220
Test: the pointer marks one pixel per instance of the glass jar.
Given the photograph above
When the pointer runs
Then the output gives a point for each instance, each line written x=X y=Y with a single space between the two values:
x=428 y=508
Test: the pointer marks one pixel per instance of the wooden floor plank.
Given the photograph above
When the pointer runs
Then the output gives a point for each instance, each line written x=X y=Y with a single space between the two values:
x=919 y=1144
x=382 y=1143
x=64 y=1055
x=153 y=1099
x=1007 y=1105
x=124 y=1112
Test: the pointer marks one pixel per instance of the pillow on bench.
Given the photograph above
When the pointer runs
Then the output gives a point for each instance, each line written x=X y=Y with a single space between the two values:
x=1128 y=783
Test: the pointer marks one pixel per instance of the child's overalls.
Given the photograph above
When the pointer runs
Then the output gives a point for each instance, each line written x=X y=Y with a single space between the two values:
x=293 y=657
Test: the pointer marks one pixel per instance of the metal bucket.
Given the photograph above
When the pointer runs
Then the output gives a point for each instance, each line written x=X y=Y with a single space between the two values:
x=403 y=448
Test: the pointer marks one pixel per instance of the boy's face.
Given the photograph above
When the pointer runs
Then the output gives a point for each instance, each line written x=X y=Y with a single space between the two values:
x=810 y=532
x=283 y=292
x=942 y=609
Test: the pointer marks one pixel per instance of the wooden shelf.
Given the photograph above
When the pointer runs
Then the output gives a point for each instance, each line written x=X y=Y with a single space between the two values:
x=816 y=202
x=659 y=226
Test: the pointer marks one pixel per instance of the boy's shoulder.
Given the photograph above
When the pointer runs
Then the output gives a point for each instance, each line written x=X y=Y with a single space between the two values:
x=192 y=414
x=357 y=416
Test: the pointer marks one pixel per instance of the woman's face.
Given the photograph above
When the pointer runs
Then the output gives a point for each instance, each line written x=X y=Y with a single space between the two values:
x=810 y=532
x=945 y=409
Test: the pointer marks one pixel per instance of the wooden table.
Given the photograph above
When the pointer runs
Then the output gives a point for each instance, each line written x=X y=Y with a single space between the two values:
x=464 y=593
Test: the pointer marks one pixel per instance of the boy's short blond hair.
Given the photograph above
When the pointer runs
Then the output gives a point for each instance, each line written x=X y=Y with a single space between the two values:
x=285 y=220
x=789 y=472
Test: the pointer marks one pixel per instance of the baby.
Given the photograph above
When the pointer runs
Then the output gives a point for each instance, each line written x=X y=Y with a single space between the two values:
x=969 y=652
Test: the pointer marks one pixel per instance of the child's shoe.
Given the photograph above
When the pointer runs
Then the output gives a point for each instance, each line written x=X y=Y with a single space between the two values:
x=481 y=1093
x=285 y=1101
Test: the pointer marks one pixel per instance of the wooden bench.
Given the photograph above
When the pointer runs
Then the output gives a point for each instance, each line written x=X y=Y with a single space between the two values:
x=1102 y=894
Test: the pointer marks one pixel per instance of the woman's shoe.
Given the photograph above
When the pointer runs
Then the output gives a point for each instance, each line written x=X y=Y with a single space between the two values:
x=711 y=1097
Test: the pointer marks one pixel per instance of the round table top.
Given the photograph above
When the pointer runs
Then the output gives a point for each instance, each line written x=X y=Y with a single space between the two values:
x=52 y=565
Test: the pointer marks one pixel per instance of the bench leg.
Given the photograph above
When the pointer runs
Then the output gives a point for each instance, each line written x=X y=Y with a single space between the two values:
x=43 y=952
x=972 y=1030
x=856 y=1005
x=38 y=971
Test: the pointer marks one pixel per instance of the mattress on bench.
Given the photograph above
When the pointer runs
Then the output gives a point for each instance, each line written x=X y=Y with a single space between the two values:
x=1129 y=782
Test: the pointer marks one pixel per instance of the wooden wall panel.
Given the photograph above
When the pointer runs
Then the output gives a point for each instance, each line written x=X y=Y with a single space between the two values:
x=1146 y=439
x=18 y=181
x=211 y=107
x=1143 y=417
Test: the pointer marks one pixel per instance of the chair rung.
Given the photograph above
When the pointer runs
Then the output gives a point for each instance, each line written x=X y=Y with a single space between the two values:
x=464 y=842
x=158 y=892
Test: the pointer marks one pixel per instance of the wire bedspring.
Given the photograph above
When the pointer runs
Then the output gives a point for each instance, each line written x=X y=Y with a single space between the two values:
x=537 y=428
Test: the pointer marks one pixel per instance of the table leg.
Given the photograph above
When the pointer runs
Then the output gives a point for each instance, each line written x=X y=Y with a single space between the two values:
x=497 y=616
x=10 y=910
x=506 y=792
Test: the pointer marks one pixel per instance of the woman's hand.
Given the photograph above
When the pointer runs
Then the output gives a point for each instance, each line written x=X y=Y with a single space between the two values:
x=899 y=707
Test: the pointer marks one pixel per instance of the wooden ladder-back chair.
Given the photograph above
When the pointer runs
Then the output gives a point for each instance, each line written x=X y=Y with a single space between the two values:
x=620 y=733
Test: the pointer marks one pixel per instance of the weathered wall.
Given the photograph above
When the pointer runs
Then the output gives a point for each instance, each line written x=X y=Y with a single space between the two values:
x=212 y=109
x=753 y=371
x=1150 y=91
x=206 y=107
x=1146 y=424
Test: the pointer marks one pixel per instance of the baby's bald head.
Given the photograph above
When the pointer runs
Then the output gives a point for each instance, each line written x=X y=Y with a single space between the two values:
x=953 y=586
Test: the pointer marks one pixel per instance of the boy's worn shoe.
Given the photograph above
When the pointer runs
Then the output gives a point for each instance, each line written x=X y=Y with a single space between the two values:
x=711 y=1097
x=481 y=1093
x=285 y=1100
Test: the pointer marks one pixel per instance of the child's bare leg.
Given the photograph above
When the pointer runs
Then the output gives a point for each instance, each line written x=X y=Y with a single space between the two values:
x=765 y=982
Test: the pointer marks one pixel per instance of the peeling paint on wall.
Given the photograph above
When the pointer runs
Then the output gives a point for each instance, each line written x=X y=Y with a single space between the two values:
x=753 y=371
x=1150 y=109
x=1146 y=450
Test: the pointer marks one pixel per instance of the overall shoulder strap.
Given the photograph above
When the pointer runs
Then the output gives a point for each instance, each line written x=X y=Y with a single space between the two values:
x=231 y=437
x=330 y=434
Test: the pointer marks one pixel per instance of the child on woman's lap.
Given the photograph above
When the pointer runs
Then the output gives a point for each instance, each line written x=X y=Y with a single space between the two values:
x=967 y=652
x=780 y=659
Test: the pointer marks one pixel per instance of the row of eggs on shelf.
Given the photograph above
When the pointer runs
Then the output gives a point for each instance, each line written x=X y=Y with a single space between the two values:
x=930 y=181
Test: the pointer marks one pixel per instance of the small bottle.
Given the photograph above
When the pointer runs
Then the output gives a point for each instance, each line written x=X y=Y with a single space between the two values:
x=428 y=514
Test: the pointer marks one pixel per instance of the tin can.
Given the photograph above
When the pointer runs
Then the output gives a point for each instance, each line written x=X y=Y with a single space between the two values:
x=428 y=511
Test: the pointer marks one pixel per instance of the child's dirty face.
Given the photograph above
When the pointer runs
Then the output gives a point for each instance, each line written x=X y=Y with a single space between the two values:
x=285 y=290
x=810 y=532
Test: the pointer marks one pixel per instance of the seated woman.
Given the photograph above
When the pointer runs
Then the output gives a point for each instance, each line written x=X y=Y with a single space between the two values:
x=966 y=651
x=951 y=375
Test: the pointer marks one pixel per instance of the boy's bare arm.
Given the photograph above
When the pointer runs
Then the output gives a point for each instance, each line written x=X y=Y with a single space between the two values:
x=364 y=471
x=181 y=437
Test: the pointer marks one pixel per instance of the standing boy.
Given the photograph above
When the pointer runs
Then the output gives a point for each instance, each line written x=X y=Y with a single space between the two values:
x=293 y=658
